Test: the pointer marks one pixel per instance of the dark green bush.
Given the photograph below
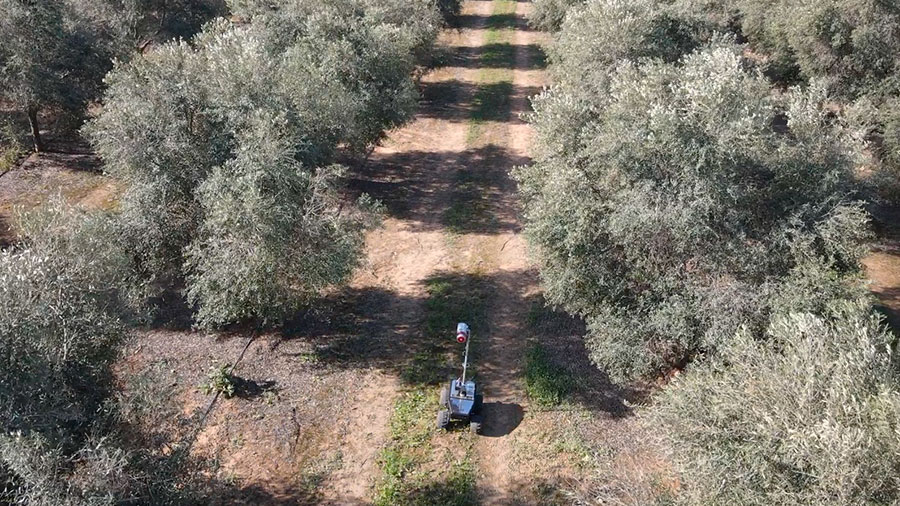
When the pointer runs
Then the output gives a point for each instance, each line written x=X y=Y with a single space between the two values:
x=546 y=383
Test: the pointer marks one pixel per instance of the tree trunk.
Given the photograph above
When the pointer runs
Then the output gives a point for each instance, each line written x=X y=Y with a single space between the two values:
x=35 y=130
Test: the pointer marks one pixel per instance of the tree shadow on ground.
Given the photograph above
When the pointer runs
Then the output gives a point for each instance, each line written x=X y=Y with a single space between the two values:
x=170 y=310
x=886 y=225
x=407 y=184
x=374 y=328
x=445 y=492
x=889 y=302
x=497 y=21
x=886 y=222
x=7 y=235
x=562 y=337
x=68 y=151
x=224 y=493
x=500 y=56
x=440 y=100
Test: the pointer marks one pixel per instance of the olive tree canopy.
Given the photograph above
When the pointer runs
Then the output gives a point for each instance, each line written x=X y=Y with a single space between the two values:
x=666 y=202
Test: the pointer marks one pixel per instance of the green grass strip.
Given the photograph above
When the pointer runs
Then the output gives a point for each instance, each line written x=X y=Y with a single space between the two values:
x=547 y=384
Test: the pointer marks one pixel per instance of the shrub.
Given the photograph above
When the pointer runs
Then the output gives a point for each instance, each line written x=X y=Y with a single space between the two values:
x=664 y=205
x=11 y=150
x=59 y=323
x=807 y=416
x=219 y=381
x=59 y=331
x=599 y=33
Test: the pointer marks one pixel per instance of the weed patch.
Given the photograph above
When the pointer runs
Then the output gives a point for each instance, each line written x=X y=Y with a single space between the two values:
x=451 y=299
x=219 y=381
x=469 y=211
x=411 y=428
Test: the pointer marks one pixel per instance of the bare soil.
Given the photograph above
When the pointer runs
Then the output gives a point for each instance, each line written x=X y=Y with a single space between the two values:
x=71 y=170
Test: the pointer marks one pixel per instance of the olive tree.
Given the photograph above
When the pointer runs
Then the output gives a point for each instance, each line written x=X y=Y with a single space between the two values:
x=45 y=62
x=852 y=44
x=807 y=416
x=271 y=239
x=599 y=33
x=227 y=145
x=153 y=135
x=128 y=26
x=59 y=331
x=60 y=318
x=662 y=204
x=548 y=15
x=68 y=434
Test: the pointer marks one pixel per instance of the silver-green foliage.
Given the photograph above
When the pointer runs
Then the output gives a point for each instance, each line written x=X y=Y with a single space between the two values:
x=48 y=60
x=226 y=144
x=853 y=44
x=59 y=332
x=59 y=323
x=810 y=415
x=665 y=204
x=548 y=15
x=599 y=33
x=271 y=239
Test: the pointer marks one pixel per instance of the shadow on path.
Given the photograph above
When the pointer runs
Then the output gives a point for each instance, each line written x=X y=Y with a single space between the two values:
x=500 y=419
x=438 y=100
x=500 y=56
x=408 y=183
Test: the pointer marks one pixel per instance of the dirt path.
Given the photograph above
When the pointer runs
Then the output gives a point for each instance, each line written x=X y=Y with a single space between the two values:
x=501 y=480
x=457 y=138
x=412 y=174
x=883 y=263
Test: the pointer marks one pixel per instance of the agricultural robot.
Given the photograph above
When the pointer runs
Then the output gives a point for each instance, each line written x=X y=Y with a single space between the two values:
x=460 y=398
